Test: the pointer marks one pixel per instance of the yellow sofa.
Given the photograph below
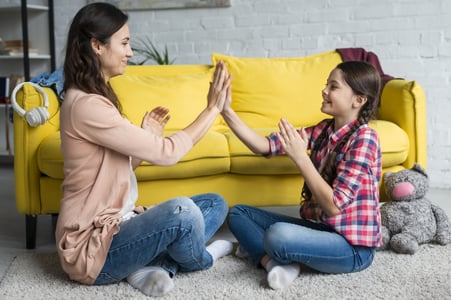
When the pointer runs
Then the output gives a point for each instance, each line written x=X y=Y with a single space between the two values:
x=264 y=90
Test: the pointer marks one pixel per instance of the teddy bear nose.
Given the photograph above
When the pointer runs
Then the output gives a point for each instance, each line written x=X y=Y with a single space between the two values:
x=402 y=190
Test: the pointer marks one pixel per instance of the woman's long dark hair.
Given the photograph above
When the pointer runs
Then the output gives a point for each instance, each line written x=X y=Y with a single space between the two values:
x=82 y=67
x=364 y=80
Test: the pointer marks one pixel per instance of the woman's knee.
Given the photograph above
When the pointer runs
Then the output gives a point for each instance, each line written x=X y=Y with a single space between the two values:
x=220 y=203
x=215 y=198
x=212 y=200
x=184 y=206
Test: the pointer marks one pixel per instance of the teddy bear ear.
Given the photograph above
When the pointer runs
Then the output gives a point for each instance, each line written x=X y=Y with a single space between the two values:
x=417 y=167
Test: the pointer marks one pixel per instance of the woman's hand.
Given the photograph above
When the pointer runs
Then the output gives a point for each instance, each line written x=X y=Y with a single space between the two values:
x=220 y=87
x=293 y=142
x=156 y=120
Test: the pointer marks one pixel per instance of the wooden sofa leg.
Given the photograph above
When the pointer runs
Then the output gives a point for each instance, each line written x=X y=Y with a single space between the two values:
x=54 y=221
x=30 y=230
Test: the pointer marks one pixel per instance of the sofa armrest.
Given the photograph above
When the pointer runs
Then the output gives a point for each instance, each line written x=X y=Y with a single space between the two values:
x=404 y=103
x=26 y=143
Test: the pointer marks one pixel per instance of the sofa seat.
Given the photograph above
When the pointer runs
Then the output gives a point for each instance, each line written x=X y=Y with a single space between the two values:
x=219 y=153
x=208 y=157
x=394 y=144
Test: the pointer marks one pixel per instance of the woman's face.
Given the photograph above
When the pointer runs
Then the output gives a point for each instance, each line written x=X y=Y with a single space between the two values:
x=115 y=54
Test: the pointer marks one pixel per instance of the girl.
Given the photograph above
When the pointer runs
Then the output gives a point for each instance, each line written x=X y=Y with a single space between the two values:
x=339 y=225
x=101 y=236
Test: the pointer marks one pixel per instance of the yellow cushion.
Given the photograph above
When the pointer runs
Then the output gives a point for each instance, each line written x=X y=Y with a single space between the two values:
x=394 y=145
x=208 y=157
x=394 y=142
x=244 y=161
x=185 y=95
x=211 y=156
x=266 y=89
x=166 y=70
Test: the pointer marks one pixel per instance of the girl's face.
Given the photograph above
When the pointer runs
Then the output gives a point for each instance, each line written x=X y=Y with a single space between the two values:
x=339 y=100
x=115 y=54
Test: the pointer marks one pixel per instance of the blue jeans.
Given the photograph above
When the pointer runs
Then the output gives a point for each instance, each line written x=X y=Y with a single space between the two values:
x=171 y=235
x=287 y=240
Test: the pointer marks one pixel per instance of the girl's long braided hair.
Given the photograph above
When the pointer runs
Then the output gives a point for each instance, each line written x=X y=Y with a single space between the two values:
x=82 y=67
x=364 y=80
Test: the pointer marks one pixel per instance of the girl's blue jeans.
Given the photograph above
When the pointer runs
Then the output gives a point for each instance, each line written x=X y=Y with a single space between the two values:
x=171 y=235
x=287 y=240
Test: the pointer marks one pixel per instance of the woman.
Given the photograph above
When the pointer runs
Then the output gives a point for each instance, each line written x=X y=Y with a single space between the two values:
x=102 y=237
x=339 y=228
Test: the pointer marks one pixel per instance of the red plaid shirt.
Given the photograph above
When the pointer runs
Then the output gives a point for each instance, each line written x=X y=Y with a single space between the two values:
x=356 y=187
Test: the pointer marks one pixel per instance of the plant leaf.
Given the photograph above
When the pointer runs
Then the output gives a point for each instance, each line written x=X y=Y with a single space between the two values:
x=149 y=51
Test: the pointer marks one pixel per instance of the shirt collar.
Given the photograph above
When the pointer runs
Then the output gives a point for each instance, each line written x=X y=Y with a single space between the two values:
x=334 y=137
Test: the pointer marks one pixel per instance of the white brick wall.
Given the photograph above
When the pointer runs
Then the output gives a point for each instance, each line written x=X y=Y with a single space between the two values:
x=411 y=37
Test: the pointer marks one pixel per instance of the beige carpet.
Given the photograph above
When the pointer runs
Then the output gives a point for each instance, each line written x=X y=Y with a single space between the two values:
x=424 y=275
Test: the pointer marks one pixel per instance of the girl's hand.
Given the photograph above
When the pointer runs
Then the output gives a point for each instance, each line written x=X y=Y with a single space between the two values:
x=156 y=120
x=293 y=142
x=220 y=87
x=228 y=100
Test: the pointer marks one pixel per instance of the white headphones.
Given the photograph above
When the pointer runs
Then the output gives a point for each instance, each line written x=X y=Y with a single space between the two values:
x=36 y=116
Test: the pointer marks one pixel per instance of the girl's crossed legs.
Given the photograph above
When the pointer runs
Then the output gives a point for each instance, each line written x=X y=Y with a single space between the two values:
x=289 y=240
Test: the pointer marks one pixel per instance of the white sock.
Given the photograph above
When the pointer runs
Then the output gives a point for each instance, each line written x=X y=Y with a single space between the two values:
x=281 y=276
x=220 y=248
x=240 y=252
x=151 y=281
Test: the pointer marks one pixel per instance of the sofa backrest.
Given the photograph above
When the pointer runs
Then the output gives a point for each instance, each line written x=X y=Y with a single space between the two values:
x=181 y=88
x=266 y=89
x=263 y=89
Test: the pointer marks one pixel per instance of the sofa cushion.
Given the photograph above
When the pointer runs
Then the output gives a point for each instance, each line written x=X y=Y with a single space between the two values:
x=394 y=145
x=208 y=157
x=266 y=89
x=185 y=95
x=166 y=70
x=244 y=161
x=394 y=142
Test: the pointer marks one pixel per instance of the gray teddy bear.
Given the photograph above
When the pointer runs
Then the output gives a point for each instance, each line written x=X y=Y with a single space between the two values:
x=410 y=219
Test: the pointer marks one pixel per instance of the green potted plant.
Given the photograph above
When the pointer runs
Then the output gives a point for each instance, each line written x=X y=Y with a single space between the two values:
x=148 y=51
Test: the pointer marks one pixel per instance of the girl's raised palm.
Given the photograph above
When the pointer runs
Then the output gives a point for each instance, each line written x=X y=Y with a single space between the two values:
x=293 y=142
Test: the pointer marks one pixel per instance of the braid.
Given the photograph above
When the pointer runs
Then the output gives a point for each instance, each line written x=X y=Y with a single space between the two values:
x=306 y=193
x=329 y=170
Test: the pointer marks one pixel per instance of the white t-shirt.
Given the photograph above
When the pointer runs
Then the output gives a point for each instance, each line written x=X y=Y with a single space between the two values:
x=127 y=211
